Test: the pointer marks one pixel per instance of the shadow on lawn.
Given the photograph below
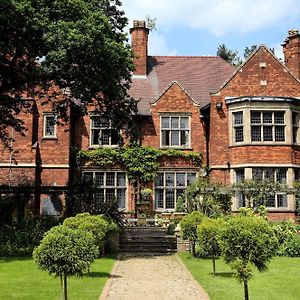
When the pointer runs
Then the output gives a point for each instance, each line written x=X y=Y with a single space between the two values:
x=8 y=259
x=101 y=275
x=225 y=274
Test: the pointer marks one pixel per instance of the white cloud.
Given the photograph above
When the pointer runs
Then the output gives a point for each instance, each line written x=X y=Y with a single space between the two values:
x=158 y=45
x=217 y=16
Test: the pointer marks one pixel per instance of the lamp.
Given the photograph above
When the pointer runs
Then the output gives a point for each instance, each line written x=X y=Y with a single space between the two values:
x=219 y=105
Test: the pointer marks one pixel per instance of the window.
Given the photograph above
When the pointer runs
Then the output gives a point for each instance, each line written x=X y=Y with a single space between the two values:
x=175 y=131
x=169 y=186
x=239 y=177
x=275 y=174
x=102 y=134
x=49 y=125
x=109 y=186
x=295 y=124
x=267 y=126
x=238 y=127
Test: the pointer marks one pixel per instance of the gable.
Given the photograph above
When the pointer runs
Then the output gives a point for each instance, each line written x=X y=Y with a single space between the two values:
x=262 y=74
x=175 y=97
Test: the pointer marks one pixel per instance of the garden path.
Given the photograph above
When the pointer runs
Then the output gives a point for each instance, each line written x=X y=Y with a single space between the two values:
x=152 y=278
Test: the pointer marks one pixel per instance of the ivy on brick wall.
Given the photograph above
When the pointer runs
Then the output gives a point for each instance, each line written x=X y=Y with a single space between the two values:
x=140 y=163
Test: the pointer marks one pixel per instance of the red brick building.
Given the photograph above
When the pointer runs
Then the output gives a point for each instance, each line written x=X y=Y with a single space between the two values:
x=244 y=122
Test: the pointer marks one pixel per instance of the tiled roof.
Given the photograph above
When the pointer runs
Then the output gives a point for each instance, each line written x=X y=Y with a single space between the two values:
x=197 y=75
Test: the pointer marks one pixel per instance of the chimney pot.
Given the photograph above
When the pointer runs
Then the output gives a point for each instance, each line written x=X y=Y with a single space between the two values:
x=139 y=23
x=293 y=32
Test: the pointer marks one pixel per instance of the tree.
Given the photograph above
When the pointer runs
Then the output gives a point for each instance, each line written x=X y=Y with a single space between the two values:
x=257 y=192
x=249 y=50
x=188 y=226
x=208 y=237
x=77 y=45
x=232 y=56
x=209 y=198
x=247 y=241
x=65 y=252
x=96 y=225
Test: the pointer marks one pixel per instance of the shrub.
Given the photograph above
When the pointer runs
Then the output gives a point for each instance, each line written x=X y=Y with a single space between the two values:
x=188 y=226
x=65 y=252
x=247 y=241
x=97 y=225
x=285 y=231
x=293 y=246
x=208 y=237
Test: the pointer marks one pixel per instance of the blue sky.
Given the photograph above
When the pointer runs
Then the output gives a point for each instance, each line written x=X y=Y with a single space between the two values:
x=197 y=27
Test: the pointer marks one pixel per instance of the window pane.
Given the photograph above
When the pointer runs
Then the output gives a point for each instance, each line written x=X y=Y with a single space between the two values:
x=99 y=179
x=170 y=179
x=238 y=118
x=279 y=117
x=255 y=133
x=267 y=118
x=268 y=133
x=269 y=174
x=96 y=123
x=110 y=195
x=281 y=200
x=239 y=174
x=180 y=179
x=110 y=179
x=159 y=198
x=239 y=134
x=279 y=134
x=255 y=117
x=121 y=196
x=50 y=125
x=88 y=177
x=159 y=181
x=121 y=179
x=184 y=122
x=257 y=174
x=191 y=177
x=165 y=139
x=105 y=136
x=170 y=199
x=104 y=123
x=241 y=200
x=179 y=192
x=281 y=175
x=175 y=122
x=271 y=201
x=295 y=134
x=95 y=136
x=165 y=123
x=175 y=138
x=114 y=137
x=184 y=136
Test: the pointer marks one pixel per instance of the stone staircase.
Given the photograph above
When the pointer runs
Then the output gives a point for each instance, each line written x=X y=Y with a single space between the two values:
x=147 y=241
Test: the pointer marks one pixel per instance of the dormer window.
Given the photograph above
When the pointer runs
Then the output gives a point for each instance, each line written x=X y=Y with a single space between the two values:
x=175 y=131
x=102 y=133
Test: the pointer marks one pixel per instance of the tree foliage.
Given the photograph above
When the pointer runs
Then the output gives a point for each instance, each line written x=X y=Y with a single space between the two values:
x=229 y=55
x=188 y=227
x=211 y=199
x=65 y=252
x=75 y=44
x=247 y=241
x=208 y=237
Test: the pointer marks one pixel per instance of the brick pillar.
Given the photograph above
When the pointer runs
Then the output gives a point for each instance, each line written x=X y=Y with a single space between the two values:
x=139 y=40
x=291 y=51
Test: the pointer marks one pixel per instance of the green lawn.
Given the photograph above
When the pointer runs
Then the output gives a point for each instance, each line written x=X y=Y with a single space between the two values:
x=280 y=282
x=21 y=279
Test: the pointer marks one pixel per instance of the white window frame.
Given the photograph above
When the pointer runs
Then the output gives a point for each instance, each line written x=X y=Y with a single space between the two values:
x=106 y=187
x=45 y=117
x=92 y=129
x=170 y=129
x=174 y=188
x=237 y=126
x=272 y=125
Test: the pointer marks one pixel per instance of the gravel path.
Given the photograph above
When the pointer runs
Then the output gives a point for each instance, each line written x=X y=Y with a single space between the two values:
x=152 y=278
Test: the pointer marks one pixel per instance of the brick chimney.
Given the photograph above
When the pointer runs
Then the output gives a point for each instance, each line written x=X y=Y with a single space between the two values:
x=291 y=51
x=139 y=40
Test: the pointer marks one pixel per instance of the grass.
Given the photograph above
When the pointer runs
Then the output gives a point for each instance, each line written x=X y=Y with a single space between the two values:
x=281 y=281
x=21 y=279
